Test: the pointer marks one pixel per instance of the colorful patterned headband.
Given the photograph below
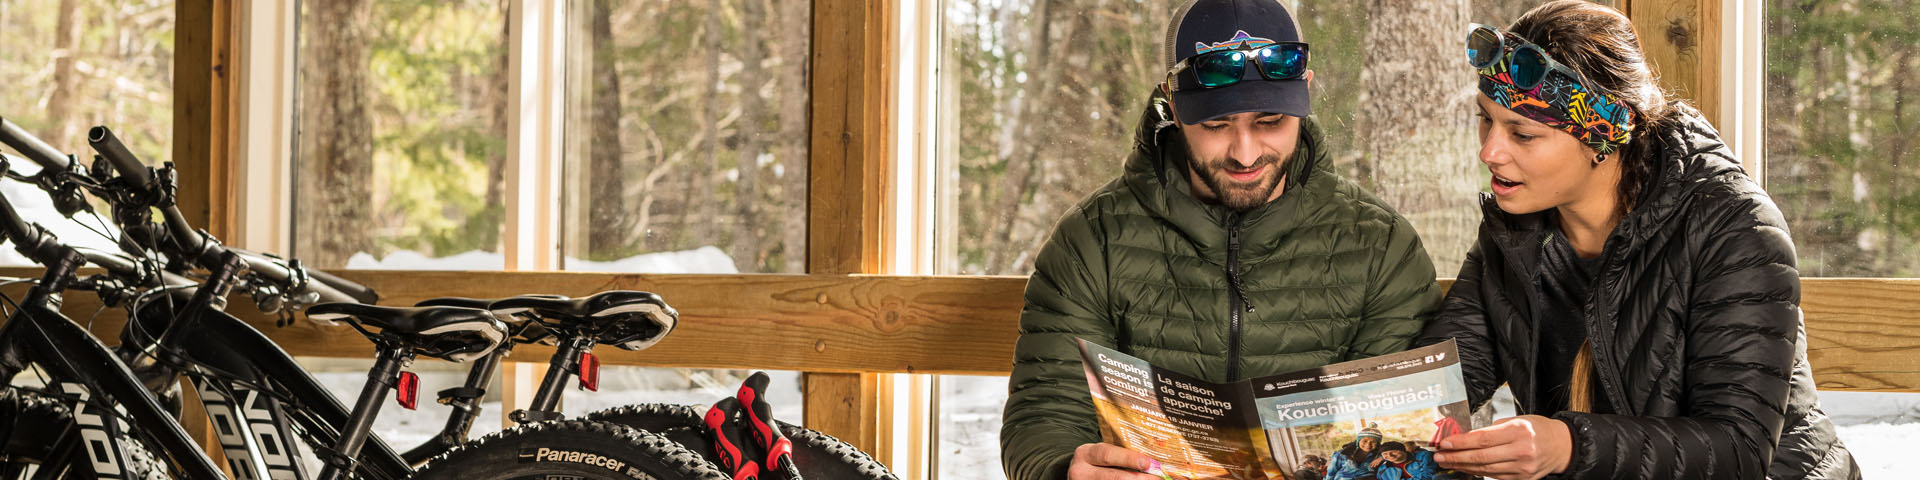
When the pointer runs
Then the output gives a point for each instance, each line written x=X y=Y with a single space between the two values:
x=1521 y=76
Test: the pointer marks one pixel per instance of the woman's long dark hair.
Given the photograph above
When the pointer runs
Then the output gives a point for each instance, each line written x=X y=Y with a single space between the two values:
x=1599 y=42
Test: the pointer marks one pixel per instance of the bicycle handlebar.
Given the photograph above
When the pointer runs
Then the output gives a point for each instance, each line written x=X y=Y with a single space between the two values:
x=361 y=293
x=34 y=148
x=109 y=146
x=281 y=274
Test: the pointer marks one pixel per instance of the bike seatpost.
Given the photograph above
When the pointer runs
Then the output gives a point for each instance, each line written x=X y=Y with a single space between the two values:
x=465 y=401
x=387 y=364
x=546 y=400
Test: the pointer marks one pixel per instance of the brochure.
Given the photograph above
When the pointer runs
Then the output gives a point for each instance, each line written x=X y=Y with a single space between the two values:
x=1374 y=418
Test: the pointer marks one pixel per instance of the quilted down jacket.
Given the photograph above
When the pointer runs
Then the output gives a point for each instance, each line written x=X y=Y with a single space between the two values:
x=1694 y=322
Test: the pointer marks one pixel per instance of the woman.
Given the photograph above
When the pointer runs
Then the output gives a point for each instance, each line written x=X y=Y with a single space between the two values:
x=1357 y=458
x=1631 y=284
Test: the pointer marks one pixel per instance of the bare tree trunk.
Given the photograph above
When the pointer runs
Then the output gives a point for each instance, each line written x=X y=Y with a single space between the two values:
x=793 y=75
x=607 y=204
x=60 y=101
x=704 y=205
x=750 y=246
x=1028 y=127
x=1418 y=147
x=494 y=105
x=336 y=137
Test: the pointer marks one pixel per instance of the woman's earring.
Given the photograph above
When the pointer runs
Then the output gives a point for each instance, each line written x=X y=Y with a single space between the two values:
x=1599 y=158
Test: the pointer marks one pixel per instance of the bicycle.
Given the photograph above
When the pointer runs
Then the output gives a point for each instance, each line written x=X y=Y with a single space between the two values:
x=271 y=391
x=629 y=320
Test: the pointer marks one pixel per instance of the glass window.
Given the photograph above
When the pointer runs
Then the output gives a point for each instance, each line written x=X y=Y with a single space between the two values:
x=1840 y=134
x=401 y=134
x=686 y=152
x=400 y=146
x=74 y=64
x=1840 y=157
x=686 y=137
x=1040 y=101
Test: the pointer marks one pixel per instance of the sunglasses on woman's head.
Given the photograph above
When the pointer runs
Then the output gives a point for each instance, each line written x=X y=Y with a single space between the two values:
x=1279 y=61
x=1526 y=63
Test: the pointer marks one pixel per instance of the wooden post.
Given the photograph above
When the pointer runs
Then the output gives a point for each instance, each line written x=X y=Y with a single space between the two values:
x=203 y=147
x=204 y=144
x=851 y=68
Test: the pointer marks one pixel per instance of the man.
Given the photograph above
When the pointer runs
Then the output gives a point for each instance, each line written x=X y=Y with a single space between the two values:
x=1228 y=248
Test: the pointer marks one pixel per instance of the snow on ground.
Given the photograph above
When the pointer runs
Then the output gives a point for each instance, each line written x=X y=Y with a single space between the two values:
x=37 y=208
x=707 y=259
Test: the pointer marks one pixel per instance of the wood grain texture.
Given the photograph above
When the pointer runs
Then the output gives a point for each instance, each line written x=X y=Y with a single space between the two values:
x=204 y=145
x=1863 y=334
x=851 y=87
x=1681 y=39
x=850 y=104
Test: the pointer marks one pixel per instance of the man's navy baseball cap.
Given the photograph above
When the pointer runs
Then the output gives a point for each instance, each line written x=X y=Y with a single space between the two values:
x=1211 y=24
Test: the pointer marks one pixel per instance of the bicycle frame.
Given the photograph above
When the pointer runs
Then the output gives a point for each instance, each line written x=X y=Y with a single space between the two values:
x=41 y=335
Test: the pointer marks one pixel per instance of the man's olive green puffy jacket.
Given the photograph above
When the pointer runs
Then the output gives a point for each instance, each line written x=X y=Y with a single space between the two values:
x=1325 y=273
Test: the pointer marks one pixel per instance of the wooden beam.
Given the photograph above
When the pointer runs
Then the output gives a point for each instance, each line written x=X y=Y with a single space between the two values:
x=848 y=403
x=204 y=145
x=1681 y=39
x=851 y=87
x=1861 y=333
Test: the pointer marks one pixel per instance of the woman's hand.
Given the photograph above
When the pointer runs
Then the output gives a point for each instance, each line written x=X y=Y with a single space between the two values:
x=1106 y=461
x=1525 y=447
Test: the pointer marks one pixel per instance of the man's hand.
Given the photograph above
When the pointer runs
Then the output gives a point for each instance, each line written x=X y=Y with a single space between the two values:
x=1105 y=461
x=1526 y=447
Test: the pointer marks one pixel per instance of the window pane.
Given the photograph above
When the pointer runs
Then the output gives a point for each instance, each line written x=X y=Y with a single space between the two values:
x=1041 y=102
x=687 y=136
x=74 y=64
x=401 y=134
x=1840 y=157
x=1839 y=141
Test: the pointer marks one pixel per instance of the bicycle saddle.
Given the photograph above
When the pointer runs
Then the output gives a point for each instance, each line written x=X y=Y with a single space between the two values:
x=630 y=320
x=451 y=333
x=524 y=327
x=481 y=303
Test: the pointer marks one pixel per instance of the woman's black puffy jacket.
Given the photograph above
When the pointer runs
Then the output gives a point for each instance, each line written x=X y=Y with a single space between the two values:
x=1694 y=322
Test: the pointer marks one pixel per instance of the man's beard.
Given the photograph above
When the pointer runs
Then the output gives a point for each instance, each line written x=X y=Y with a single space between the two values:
x=1238 y=196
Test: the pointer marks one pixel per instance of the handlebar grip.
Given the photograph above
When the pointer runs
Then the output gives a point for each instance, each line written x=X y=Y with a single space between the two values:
x=109 y=146
x=766 y=433
x=34 y=148
x=732 y=450
x=13 y=225
x=360 y=293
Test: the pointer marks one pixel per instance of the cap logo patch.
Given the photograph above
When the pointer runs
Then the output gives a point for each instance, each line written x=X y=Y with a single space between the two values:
x=1239 y=41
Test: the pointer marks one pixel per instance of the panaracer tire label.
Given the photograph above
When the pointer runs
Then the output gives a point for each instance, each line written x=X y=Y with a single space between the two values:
x=581 y=457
